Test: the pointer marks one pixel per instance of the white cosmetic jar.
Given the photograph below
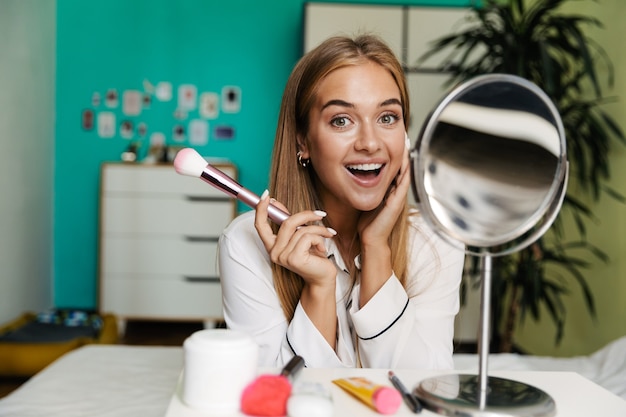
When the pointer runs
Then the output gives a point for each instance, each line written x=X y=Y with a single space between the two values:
x=219 y=364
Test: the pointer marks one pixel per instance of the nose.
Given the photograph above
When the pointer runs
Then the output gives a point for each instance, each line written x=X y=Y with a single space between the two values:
x=367 y=140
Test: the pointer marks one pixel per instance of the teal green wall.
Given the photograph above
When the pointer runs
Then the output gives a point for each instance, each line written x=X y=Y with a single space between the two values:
x=105 y=44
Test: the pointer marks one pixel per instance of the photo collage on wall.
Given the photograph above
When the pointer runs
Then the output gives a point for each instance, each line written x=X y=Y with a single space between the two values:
x=194 y=118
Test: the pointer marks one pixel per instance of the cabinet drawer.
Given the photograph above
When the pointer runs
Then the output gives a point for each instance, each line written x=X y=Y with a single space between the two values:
x=161 y=299
x=157 y=179
x=153 y=216
x=149 y=256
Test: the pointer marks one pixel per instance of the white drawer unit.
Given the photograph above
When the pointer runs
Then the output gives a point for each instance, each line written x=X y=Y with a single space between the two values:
x=158 y=243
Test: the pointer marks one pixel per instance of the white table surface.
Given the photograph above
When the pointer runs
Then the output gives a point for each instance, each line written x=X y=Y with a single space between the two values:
x=134 y=381
x=573 y=394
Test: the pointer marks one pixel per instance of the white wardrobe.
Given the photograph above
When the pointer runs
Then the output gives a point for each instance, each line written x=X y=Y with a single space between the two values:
x=409 y=31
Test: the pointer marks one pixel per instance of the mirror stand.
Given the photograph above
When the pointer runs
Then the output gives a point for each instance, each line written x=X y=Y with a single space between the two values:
x=482 y=395
x=489 y=171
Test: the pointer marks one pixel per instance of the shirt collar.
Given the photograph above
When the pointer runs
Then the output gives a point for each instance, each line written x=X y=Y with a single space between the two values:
x=333 y=251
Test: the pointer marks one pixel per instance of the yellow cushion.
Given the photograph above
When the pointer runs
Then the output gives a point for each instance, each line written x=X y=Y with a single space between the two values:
x=26 y=359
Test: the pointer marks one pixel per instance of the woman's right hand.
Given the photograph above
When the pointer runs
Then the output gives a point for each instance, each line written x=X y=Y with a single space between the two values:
x=300 y=247
x=299 y=244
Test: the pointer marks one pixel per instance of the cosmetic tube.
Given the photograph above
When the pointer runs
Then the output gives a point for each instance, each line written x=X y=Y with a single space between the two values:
x=384 y=399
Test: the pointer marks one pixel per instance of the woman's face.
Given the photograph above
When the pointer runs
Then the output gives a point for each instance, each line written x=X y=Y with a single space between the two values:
x=356 y=137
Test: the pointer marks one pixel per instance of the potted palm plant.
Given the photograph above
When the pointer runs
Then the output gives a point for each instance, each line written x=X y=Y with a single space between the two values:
x=536 y=41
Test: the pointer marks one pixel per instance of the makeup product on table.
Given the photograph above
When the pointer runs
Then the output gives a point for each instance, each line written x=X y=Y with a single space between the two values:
x=218 y=365
x=383 y=399
x=267 y=395
x=410 y=400
x=310 y=399
x=189 y=162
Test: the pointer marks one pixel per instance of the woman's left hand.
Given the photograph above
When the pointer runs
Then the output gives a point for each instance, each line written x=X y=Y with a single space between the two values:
x=374 y=230
x=375 y=226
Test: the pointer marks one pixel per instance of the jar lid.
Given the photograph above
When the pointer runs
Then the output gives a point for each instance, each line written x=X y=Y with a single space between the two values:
x=220 y=339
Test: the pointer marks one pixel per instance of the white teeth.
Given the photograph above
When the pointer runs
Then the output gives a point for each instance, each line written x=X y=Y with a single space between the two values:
x=365 y=167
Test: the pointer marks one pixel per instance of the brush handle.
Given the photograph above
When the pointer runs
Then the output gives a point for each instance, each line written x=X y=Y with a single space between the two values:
x=223 y=182
x=293 y=366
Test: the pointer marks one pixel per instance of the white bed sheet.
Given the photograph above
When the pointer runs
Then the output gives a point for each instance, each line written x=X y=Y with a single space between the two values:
x=132 y=381
x=100 y=381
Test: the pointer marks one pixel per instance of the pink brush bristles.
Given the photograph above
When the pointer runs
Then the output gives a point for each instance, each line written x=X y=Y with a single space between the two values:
x=189 y=162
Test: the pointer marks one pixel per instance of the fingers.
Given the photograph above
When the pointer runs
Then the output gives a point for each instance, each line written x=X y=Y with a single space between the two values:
x=261 y=224
x=304 y=225
x=278 y=204
x=376 y=225
x=290 y=234
x=405 y=173
x=304 y=246
x=403 y=179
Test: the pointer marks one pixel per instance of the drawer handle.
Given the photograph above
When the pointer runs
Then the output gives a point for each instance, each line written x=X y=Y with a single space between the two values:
x=202 y=279
x=201 y=238
x=204 y=199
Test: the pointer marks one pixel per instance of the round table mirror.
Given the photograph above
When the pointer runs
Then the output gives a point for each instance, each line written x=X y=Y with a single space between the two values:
x=489 y=170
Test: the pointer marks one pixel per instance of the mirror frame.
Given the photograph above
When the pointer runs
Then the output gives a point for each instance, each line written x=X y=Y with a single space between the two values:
x=540 y=220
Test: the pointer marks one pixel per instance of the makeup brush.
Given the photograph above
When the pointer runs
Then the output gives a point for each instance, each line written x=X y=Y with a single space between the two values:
x=189 y=162
x=267 y=395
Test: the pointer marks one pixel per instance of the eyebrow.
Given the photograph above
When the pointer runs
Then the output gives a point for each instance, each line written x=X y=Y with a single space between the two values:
x=343 y=103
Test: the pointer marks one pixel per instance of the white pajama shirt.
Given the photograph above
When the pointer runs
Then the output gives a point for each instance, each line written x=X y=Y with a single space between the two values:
x=398 y=327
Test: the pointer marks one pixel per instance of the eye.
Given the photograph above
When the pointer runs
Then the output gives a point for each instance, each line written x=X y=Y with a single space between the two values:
x=389 y=118
x=340 y=121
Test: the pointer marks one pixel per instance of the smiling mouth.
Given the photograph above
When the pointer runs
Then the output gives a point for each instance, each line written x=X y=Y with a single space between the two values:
x=365 y=170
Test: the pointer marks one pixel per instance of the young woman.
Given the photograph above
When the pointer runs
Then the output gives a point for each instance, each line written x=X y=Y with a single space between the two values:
x=353 y=277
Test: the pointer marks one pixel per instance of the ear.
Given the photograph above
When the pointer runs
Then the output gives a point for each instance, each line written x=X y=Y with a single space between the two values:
x=302 y=147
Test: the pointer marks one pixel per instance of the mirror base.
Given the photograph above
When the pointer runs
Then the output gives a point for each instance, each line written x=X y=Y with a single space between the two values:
x=460 y=395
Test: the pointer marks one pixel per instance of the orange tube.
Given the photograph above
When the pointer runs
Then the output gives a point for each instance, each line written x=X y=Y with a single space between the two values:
x=385 y=400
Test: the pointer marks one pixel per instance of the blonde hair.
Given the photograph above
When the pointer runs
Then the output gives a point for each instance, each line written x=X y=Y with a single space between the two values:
x=292 y=184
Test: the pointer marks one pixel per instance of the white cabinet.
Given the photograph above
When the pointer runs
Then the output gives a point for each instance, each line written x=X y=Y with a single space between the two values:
x=158 y=243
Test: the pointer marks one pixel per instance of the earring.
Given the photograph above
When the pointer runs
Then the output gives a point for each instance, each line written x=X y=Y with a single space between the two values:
x=302 y=161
